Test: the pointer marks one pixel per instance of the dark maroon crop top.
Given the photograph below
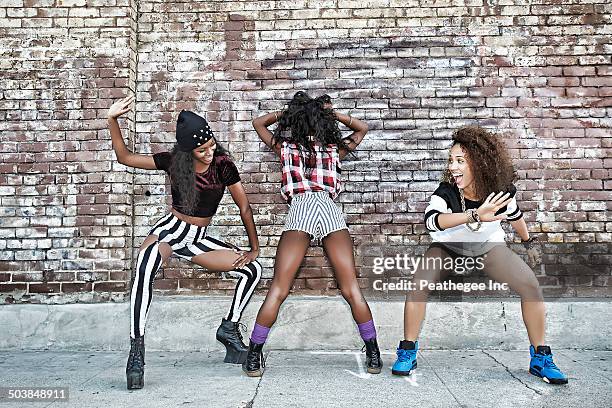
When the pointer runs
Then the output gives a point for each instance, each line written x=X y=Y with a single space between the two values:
x=210 y=184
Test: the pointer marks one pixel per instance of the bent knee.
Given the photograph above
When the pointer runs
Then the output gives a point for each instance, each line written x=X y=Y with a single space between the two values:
x=253 y=270
x=257 y=269
x=530 y=290
x=278 y=294
x=352 y=295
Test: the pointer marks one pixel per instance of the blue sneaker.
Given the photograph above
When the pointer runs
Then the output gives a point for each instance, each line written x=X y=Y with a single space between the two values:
x=406 y=358
x=542 y=365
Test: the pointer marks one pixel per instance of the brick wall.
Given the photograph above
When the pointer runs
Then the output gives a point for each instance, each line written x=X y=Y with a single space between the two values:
x=538 y=72
x=66 y=205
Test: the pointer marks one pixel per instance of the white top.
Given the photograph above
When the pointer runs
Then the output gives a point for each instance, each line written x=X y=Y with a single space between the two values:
x=446 y=200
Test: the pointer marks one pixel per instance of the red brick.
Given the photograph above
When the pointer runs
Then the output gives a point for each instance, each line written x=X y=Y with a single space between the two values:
x=12 y=287
x=44 y=288
x=110 y=286
x=28 y=277
x=77 y=287
x=165 y=284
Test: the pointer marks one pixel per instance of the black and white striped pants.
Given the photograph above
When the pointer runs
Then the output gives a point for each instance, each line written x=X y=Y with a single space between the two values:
x=186 y=241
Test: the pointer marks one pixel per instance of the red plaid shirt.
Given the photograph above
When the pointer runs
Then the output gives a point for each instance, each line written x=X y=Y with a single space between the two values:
x=323 y=174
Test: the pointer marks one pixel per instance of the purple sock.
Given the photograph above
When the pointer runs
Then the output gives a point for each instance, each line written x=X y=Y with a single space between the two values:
x=259 y=334
x=367 y=330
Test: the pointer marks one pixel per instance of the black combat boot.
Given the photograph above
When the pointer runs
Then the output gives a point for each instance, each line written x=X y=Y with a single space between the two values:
x=255 y=363
x=134 y=371
x=229 y=335
x=373 y=361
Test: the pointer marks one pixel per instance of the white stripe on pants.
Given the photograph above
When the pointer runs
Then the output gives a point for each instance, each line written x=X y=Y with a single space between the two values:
x=186 y=241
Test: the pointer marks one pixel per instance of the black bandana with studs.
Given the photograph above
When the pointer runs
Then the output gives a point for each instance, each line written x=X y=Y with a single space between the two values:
x=192 y=131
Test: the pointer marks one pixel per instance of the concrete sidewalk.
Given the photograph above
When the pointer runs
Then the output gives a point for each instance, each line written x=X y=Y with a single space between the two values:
x=190 y=324
x=465 y=378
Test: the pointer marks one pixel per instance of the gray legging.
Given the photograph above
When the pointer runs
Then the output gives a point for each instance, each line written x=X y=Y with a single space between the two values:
x=500 y=263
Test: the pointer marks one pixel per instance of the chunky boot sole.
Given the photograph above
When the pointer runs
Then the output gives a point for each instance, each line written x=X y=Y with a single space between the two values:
x=373 y=370
x=233 y=356
x=546 y=379
x=256 y=373
x=135 y=381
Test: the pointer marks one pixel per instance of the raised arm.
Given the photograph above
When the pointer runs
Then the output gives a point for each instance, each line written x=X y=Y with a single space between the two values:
x=261 y=125
x=359 y=128
x=124 y=155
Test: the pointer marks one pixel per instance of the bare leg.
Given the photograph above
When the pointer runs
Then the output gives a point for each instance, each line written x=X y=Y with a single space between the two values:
x=503 y=265
x=415 y=306
x=219 y=260
x=339 y=249
x=164 y=248
x=290 y=252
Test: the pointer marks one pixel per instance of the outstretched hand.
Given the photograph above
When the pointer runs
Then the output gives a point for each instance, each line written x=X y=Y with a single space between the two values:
x=491 y=205
x=120 y=107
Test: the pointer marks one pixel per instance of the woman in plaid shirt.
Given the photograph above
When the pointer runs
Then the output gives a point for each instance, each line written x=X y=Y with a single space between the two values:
x=310 y=146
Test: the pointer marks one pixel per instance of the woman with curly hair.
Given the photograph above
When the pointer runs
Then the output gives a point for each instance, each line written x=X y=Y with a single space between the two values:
x=199 y=169
x=310 y=146
x=463 y=219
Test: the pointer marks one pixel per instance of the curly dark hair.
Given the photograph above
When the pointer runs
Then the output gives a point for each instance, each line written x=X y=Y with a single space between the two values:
x=182 y=176
x=495 y=171
x=305 y=117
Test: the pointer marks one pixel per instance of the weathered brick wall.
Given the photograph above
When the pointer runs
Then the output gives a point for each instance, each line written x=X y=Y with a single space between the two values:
x=538 y=72
x=66 y=205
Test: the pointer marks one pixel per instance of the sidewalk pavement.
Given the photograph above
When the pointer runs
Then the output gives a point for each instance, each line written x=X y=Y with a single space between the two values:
x=444 y=378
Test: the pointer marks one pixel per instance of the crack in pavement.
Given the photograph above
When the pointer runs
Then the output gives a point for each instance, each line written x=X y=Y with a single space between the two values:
x=442 y=381
x=511 y=374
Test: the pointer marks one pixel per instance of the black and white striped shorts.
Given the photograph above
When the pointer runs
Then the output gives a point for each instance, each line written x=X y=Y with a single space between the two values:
x=186 y=240
x=314 y=213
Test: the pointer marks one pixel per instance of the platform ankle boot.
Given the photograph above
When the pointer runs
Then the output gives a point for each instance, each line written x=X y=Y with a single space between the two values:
x=134 y=371
x=229 y=335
